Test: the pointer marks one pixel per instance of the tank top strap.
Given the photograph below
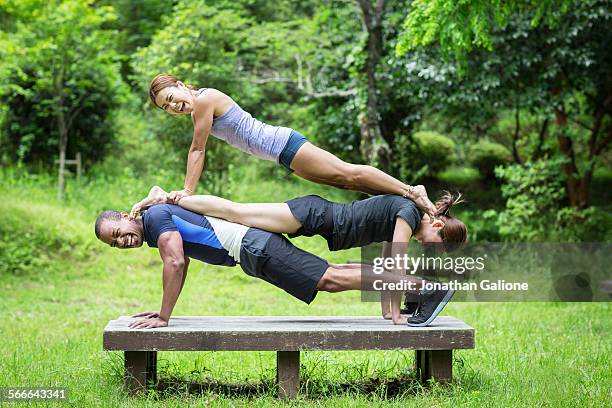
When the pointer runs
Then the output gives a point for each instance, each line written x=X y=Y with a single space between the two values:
x=200 y=91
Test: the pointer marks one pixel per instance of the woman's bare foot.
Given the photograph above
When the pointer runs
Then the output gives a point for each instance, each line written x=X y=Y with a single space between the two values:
x=157 y=195
x=418 y=194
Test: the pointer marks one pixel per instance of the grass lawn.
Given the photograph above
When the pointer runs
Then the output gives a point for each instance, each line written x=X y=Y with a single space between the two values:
x=54 y=311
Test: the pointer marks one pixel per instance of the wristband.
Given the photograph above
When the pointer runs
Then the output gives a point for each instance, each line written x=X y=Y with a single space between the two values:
x=188 y=190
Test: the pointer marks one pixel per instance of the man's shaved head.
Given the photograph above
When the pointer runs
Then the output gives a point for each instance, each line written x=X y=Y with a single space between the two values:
x=110 y=215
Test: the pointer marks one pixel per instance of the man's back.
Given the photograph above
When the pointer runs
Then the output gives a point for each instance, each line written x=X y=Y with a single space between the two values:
x=207 y=239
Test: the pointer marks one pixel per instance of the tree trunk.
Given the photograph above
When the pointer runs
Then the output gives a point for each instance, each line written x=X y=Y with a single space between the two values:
x=542 y=135
x=63 y=133
x=374 y=149
x=572 y=177
x=515 y=137
x=63 y=142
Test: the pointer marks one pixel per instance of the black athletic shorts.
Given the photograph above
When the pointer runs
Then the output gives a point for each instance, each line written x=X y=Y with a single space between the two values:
x=273 y=258
x=315 y=214
x=357 y=224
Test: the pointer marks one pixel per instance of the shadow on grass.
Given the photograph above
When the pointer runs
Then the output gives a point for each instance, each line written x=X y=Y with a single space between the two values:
x=391 y=383
x=310 y=388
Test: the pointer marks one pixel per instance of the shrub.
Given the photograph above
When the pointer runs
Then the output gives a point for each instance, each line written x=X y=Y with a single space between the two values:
x=535 y=207
x=425 y=154
x=486 y=155
x=460 y=175
x=33 y=236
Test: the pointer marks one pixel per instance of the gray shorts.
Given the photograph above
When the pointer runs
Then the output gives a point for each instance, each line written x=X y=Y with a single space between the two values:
x=273 y=258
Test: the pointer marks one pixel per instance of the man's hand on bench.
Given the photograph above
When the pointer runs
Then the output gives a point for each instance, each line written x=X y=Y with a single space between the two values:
x=150 y=321
x=147 y=314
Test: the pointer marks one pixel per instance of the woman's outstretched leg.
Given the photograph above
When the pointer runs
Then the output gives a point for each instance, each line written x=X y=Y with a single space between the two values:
x=320 y=166
x=273 y=217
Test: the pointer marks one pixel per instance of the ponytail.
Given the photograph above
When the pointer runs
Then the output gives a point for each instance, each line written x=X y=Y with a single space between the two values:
x=447 y=201
x=454 y=233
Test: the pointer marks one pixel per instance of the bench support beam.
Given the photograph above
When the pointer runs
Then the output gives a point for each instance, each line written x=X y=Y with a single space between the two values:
x=288 y=373
x=434 y=364
x=140 y=370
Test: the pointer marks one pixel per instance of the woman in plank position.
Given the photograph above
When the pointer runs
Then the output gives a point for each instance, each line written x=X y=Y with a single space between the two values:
x=213 y=112
x=384 y=218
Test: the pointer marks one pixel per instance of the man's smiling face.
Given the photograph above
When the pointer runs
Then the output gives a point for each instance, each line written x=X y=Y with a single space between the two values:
x=123 y=233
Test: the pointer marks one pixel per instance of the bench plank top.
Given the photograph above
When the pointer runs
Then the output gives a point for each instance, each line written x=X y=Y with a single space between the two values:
x=287 y=333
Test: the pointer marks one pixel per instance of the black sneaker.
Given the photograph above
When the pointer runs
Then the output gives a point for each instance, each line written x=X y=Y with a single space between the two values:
x=411 y=303
x=432 y=303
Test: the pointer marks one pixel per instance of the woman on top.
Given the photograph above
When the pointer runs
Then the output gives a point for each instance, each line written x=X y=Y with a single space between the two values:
x=213 y=112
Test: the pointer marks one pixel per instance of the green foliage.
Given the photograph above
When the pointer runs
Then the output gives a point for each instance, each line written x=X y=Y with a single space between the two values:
x=536 y=209
x=482 y=224
x=534 y=194
x=135 y=25
x=436 y=148
x=532 y=71
x=459 y=26
x=32 y=238
x=426 y=154
x=459 y=175
x=62 y=74
x=196 y=42
x=486 y=155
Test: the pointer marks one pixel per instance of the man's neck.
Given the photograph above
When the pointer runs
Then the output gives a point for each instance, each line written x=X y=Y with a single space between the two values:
x=140 y=223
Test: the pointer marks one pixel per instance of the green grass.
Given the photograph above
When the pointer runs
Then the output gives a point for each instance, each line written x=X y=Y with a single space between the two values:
x=54 y=311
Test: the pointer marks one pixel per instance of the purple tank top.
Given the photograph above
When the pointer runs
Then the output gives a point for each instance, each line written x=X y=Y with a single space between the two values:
x=248 y=134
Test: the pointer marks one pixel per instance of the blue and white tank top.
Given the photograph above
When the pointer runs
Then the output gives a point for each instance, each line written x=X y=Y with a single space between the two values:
x=208 y=239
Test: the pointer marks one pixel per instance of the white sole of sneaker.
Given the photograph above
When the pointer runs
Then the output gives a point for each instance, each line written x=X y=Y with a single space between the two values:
x=436 y=312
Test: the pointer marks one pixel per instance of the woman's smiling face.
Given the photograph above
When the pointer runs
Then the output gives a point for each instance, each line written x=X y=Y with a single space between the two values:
x=176 y=100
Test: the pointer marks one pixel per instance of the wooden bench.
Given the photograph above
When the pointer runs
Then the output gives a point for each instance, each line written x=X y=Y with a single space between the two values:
x=287 y=335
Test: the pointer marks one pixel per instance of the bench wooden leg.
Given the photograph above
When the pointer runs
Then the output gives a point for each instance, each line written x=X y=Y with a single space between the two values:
x=288 y=373
x=436 y=364
x=140 y=370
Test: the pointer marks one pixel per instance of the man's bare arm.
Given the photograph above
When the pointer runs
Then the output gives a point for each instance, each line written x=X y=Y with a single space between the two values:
x=153 y=319
x=184 y=273
x=170 y=246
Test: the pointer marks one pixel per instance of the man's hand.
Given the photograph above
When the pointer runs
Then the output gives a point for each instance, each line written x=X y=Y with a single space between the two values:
x=149 y=323
x=418 y=194
x=147 y=314
x=175 y=196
